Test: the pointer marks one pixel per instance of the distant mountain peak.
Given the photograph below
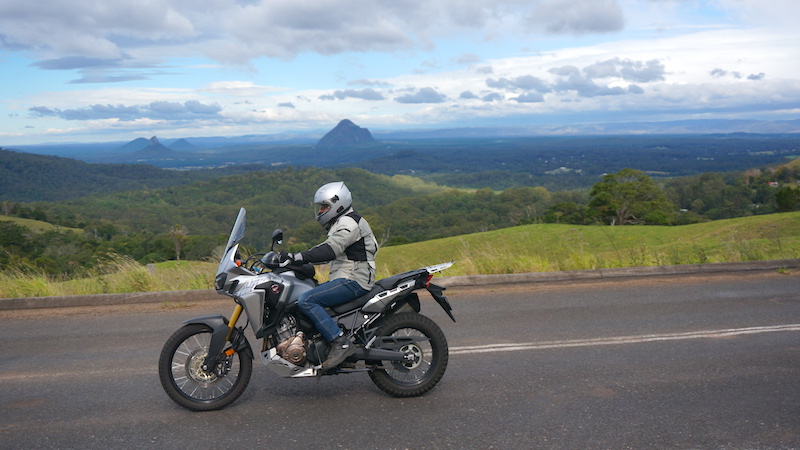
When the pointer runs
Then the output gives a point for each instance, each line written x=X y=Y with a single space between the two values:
x=182 y=145
x=346 y=133
x=154 y=141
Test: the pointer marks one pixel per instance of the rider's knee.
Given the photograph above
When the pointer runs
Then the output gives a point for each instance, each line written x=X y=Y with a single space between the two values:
x=303 y=302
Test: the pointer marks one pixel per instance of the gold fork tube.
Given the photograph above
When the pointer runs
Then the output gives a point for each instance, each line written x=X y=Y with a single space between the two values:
x=234 y=318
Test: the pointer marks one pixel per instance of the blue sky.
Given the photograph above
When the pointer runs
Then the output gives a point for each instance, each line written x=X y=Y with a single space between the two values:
x=101 y=70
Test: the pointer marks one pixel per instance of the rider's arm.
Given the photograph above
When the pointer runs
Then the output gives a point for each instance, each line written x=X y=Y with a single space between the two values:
x=343 y=234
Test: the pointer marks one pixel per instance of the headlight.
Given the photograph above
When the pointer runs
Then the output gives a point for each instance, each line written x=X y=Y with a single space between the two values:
x=219 y=282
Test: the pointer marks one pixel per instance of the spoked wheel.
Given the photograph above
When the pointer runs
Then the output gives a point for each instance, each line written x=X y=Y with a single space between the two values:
x=426 y=347
x=185 y=381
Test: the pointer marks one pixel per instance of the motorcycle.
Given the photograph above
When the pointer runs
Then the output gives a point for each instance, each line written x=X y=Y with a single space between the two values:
x=206 y=364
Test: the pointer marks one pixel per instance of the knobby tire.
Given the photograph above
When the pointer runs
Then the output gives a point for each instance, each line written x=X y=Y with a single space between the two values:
x=414 y=378
x=190 y=387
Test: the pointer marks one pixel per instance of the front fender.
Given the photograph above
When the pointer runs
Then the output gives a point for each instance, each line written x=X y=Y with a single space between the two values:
x=219 y=331
x=214 y=321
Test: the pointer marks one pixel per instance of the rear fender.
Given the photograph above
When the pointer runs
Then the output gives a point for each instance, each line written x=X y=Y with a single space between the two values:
x=408 y=304
x=219 y=331
x=438 y=294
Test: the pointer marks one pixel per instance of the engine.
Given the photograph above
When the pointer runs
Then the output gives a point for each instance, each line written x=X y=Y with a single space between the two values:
x=293 y=349
x=291 y=343
x=286 y=329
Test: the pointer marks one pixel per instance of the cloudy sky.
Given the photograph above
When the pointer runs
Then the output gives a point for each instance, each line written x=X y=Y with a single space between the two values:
x=100 y=70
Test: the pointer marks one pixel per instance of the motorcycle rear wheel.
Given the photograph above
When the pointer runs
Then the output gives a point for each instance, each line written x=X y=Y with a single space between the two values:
x=187 y=384
x=413 y=378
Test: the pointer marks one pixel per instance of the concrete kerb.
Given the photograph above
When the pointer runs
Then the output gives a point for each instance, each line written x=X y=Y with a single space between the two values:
x=454 y=281
x=623 y=272
x=109 y=299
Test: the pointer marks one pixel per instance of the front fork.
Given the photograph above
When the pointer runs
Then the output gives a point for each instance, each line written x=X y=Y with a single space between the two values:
x=223 y=331
x=234 y=318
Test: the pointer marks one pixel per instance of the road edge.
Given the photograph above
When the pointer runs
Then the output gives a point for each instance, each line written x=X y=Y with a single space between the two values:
x=453 y=281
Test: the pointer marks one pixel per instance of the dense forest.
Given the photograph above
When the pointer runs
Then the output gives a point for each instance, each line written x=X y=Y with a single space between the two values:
x=562 y=163
x=189 y=221
x=555 y=163
x=409 y=191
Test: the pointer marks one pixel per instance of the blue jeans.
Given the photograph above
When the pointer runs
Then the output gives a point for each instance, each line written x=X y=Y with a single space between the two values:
x=332 y=293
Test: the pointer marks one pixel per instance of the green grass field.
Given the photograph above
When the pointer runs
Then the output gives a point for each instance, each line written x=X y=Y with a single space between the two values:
x=528 y=248
x=553 y=247
x=121 y=275
x=37 y=226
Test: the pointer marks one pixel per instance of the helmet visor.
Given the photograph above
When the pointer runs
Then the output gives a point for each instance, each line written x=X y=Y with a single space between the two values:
x=322 y=208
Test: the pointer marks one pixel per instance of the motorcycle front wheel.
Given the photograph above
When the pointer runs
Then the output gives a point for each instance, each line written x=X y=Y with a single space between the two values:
x=419 y=336
x=184 y=380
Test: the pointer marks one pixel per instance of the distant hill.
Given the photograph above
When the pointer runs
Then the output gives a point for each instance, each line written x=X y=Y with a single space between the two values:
x=182 y=145
x=151 y=151
x=107 y=152
x=561 y=163
x=133 y=146
x=793 y=164
x=26 y=177
x=555 y=163
x=345 y=134
x=154 y=150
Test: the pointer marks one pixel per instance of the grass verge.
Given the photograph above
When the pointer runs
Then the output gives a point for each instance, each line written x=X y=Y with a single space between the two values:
x=523 y=249
x=553 y=247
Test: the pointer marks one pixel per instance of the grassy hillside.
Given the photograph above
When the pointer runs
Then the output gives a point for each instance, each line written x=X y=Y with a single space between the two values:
x=553 y=247
x=528 y=248
x=37 y=226
x=794 y=163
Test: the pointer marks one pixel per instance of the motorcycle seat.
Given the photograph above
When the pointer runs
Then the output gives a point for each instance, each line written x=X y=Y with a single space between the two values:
x=394 y=280
x=383 y=284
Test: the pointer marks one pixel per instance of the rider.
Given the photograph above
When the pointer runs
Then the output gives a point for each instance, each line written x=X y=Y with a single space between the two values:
x=350 y=248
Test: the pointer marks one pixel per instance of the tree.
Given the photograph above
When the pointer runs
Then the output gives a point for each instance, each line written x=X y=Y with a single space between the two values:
x=179 y=235
x=566 y=212
x=786 y=199
x=629 y=197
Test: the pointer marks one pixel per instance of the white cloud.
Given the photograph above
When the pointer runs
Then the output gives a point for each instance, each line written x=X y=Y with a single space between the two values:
x=160 y=110
x=239 y=88
x=55 y=28
x=576 y=16
x=363 y=94
x=774 y=13
x=277 y=62
x=234 y=32
x=423 y=95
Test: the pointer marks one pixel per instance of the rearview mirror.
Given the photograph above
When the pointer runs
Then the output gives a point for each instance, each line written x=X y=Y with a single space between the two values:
x=277 y=238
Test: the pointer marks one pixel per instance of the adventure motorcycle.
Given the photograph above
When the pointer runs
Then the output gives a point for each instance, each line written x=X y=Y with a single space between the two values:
x=206 y=364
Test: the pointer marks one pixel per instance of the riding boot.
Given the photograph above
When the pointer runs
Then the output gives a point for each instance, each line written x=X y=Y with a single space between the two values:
x=341 y=348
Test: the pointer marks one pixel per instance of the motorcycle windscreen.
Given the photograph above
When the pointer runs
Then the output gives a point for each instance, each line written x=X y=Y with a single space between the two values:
x=237 y=232
x=228 y=256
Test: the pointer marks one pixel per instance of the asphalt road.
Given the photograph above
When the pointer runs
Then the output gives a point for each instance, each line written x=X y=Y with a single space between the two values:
x=666 y=362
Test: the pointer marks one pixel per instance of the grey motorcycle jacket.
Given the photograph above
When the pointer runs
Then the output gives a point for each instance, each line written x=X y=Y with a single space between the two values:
x=350 y=248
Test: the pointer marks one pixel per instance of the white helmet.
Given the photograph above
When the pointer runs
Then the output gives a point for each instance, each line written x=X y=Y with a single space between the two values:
x=331 y=201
